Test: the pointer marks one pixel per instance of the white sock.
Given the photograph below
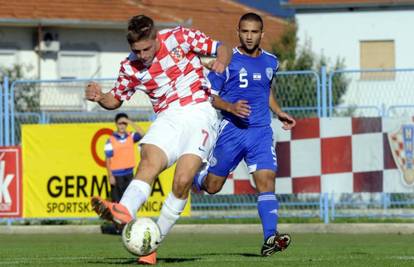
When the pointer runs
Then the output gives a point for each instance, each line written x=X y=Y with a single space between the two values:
x=170 y=213
x=135 y=195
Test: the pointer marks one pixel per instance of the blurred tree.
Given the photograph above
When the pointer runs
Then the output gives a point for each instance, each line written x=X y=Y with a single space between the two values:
x=299 y=92
x=27 y=98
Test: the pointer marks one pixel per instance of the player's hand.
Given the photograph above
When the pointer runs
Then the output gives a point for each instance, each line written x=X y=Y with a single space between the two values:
x=240 y=109
x=287 y=121
x=112 y=180
x=93 y=92
x=218 y=66
x=208 y=64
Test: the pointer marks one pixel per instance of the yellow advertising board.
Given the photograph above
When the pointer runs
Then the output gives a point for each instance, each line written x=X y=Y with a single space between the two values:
x=64 y=165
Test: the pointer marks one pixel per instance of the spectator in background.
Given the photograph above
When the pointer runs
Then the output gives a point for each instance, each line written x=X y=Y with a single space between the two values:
x=120 y=155
x=121 y=160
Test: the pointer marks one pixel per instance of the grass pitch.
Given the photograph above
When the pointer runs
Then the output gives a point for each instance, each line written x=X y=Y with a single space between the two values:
x=210 y=250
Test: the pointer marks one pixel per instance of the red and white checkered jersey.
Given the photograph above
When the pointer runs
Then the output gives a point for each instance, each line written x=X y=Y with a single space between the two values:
x=176 y=77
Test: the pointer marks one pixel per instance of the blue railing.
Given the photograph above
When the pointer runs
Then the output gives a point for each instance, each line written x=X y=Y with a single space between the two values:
x=322 y=83
x=327 y=209
x=10 y=97
x=4 y=109
x=2 y=86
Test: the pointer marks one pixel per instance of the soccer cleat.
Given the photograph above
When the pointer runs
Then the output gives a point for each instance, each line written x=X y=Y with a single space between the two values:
x=110 y=211
x=150 y=259
x=275 y=243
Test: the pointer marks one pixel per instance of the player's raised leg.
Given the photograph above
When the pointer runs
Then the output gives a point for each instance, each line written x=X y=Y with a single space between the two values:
x=153 y=161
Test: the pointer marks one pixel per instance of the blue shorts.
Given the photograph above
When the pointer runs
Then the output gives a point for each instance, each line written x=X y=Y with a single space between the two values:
x=254 y=145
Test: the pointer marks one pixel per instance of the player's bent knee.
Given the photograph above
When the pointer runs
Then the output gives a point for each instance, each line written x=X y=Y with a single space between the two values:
x=213 y=187
x=146 y=165
x=181 y=186
x=148 y=170
x=264 y=182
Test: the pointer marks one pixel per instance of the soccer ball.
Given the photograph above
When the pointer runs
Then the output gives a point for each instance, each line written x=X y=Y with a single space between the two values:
x=141 y=236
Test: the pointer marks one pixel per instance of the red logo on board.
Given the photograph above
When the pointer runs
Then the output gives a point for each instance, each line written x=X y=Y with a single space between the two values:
x=10 y=182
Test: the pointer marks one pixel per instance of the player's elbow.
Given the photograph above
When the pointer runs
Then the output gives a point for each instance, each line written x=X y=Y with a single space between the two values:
x=110 y=103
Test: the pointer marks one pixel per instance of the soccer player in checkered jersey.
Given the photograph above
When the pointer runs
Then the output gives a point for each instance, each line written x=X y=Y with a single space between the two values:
x=166 y=66
x=243 y=93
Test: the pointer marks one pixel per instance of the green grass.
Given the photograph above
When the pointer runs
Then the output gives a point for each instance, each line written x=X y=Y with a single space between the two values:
x=209 y=250
x=189 y=220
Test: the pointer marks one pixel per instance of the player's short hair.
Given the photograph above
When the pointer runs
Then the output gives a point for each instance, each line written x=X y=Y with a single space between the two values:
x=120 y=116
x=252 y=17
x=140 y=28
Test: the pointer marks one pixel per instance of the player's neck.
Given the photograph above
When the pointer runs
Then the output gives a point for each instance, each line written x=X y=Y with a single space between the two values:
x=254 y=53
x=157 y=45
x=121 y=134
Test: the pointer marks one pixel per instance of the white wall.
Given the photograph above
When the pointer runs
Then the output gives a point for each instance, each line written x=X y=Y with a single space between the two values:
x=21 y=40
x=105 y=50
x=110 y=45
x=338 y=34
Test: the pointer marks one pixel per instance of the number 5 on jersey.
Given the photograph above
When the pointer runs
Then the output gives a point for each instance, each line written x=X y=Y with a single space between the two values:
x=243 y=79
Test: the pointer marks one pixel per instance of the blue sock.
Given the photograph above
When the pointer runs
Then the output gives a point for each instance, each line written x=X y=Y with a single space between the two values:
x=268 y=206
x=200 y=177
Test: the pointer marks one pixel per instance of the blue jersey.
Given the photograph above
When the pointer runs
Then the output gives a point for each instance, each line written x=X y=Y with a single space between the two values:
x=247 y=78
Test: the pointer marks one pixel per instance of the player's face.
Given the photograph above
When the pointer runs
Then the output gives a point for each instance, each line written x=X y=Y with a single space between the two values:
x=250 y=34
x=121 y=125
x=145 y=50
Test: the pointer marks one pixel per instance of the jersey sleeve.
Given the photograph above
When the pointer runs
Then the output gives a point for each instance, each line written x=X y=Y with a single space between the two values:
x=136 y=137
x=124 y=88
x=109 y=151
x=217 y=81
x=276 y=66
x=199 y=42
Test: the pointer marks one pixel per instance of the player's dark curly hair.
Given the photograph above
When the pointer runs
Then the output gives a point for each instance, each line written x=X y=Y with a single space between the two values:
x=251 y=17
x=140 y=28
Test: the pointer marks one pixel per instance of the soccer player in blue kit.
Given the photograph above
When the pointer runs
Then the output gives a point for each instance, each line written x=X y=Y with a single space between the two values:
x=243 y=94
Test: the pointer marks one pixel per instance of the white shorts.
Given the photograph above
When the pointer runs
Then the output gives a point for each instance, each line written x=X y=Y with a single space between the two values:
x=190 y=129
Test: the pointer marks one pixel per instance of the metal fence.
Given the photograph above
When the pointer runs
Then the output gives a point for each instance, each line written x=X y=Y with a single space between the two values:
x=325 y=206
x=61 y=101
x=244 y=206
x=299 y=92
x=379 y=92
x=371 y=93
x=4 y=126
x=302 y=93
x=2 y=85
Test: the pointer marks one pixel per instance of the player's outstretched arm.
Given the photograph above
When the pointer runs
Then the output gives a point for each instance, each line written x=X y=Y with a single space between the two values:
x=288 y=121
x=93 y=92
x=240 y=108
x=222 y=60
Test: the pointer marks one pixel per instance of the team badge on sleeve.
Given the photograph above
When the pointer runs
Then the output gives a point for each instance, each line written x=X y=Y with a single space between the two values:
x=269 y=73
